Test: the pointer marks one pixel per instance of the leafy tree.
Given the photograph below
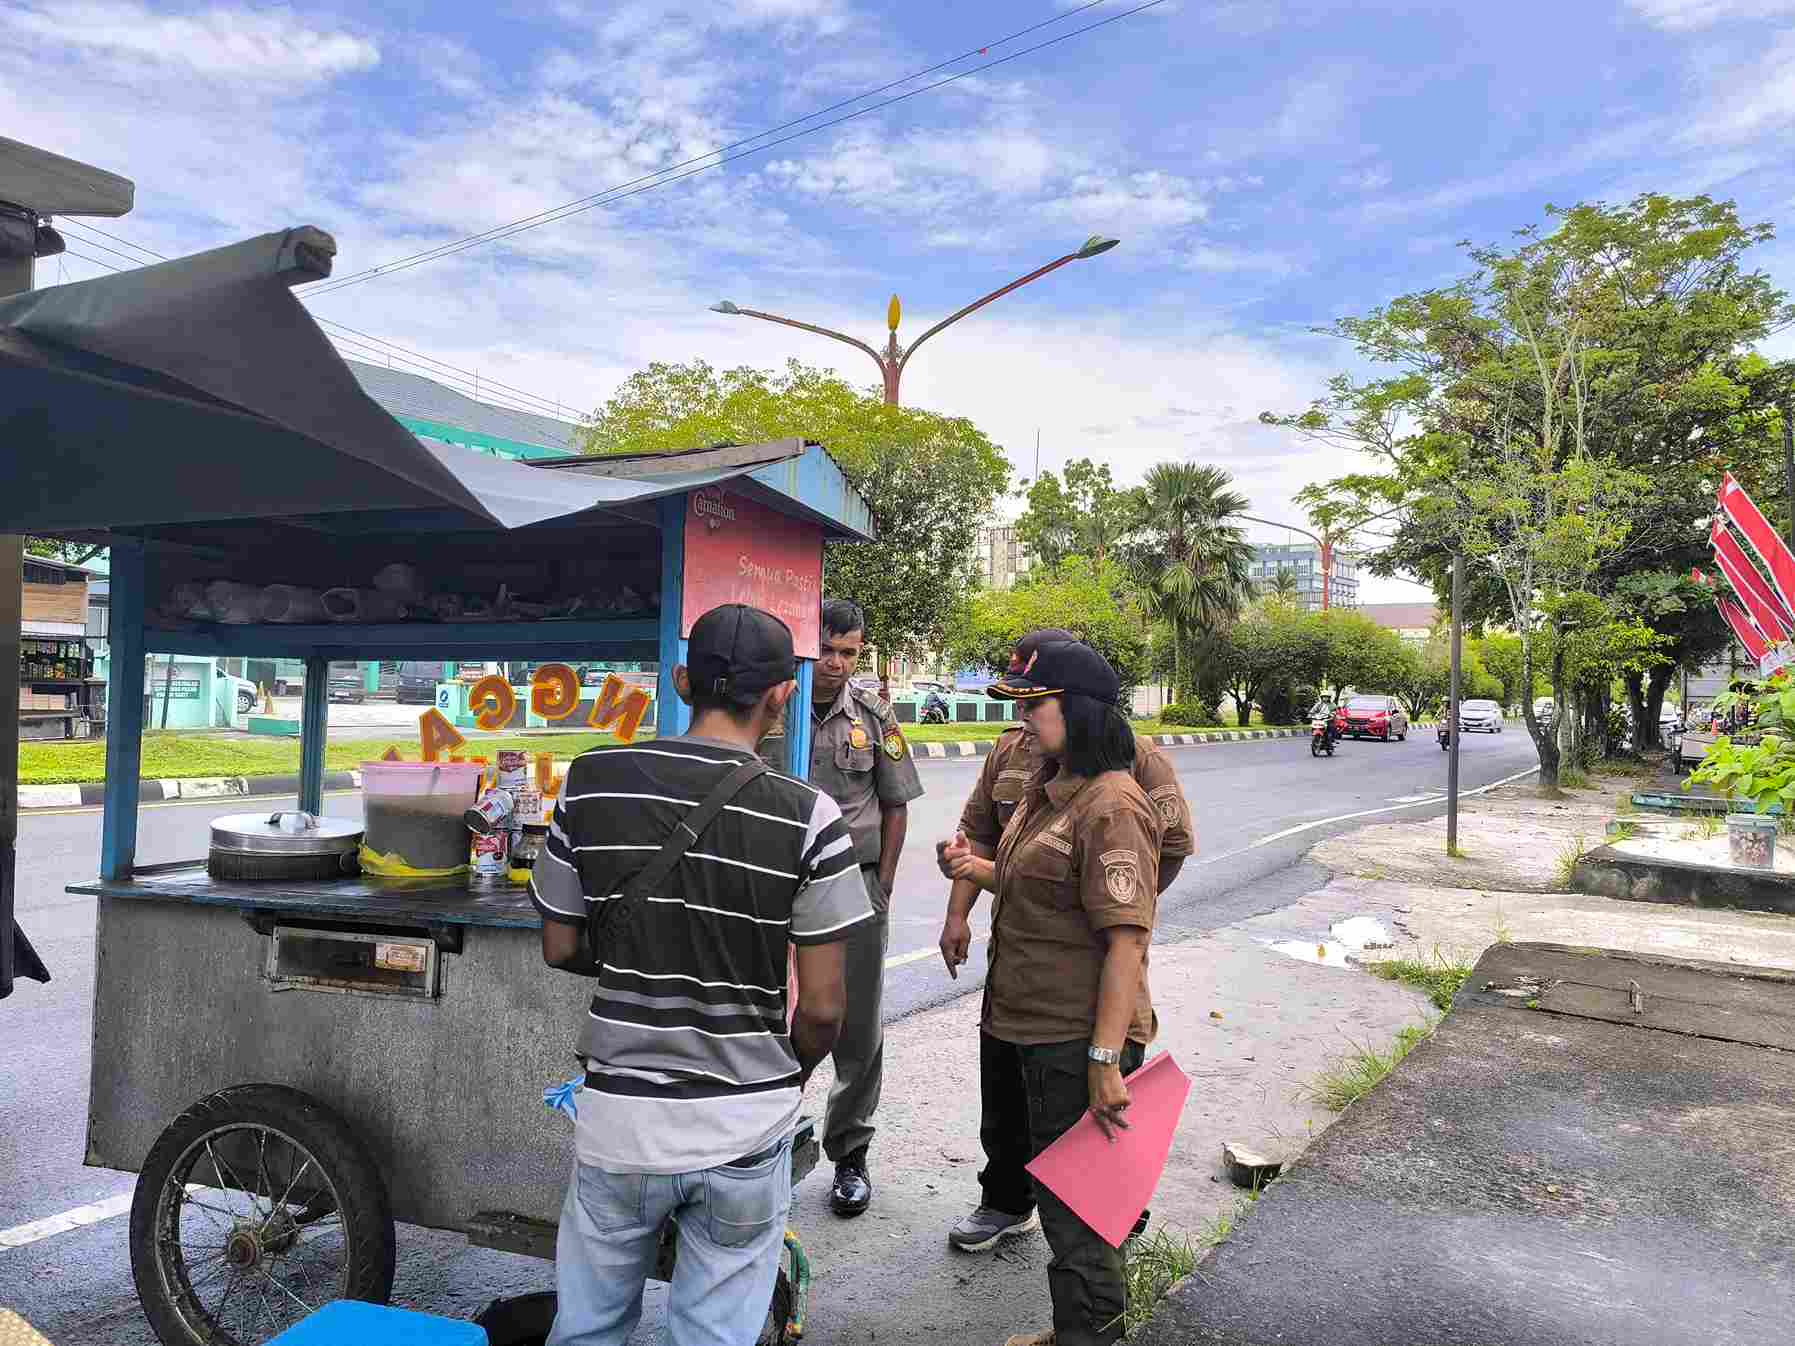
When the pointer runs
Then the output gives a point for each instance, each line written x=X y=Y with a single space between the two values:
x=1694 y=632
x=1585 y=384
x=1360 y=654
x=74 y=553
x=1284 y=583
x=1273 y=646
x=1078 y=595
x=1188 y=556
x=931 y=480
x=1087 y=516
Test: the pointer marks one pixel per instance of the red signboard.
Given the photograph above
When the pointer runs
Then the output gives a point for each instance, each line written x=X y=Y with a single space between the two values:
x=739 y=551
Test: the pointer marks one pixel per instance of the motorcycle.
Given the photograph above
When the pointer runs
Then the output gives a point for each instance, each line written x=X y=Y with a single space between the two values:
x=934 y=710
x=1321 y=736
x=1444 y=734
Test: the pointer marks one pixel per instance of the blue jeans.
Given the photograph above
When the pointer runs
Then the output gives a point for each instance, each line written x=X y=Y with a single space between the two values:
x=731 y=1231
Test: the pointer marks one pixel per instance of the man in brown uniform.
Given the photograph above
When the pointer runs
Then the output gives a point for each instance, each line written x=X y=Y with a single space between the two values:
x=859 y=758
x=1008 y=1205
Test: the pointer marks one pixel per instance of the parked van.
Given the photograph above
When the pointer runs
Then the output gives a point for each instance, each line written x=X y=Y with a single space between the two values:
x=417 y=682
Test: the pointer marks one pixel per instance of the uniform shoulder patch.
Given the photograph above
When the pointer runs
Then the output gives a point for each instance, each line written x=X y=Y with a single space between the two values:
x=1121 y=875
x=1169 y=800
x=895 y=747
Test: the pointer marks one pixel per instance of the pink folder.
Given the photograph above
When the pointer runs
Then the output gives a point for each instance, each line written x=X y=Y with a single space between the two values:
x=1108 y=1183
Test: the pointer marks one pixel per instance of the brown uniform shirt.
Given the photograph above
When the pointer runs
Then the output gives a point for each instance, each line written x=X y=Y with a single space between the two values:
x=858 y=757
x=1080 y=855
x=1013 y=762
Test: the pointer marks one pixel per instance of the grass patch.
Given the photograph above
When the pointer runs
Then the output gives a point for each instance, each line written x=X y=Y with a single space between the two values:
x=1572 y=778
x=1622 y=831
x=1362 y=1069
x=1158 y=1260
x=1440 y=976
x=1705 y=827
x=1500 y=931
x=176 y=756
x=1567 y=860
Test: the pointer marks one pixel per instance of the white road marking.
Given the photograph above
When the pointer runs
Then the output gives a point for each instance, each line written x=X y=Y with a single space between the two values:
x=21 y=1235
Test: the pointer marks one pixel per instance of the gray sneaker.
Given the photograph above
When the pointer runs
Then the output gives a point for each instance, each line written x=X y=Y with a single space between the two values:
x=986 y=1228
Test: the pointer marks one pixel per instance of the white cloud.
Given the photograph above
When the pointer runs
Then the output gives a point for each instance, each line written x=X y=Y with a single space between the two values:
x=1137 y=203
x=1220 y=258
x=1688 y=15
x=270 y=47
x=1743 y=103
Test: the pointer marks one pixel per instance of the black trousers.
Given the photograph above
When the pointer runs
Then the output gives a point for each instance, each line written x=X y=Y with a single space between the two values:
x=1029 y=1097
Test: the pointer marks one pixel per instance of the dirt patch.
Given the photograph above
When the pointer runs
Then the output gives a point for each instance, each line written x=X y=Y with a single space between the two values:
x=1513 y=839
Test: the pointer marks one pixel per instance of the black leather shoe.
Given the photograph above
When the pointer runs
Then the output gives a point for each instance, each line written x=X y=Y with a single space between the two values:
x=853 y=1190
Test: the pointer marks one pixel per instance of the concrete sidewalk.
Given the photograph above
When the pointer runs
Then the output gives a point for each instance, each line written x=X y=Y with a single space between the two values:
x=890 y=1276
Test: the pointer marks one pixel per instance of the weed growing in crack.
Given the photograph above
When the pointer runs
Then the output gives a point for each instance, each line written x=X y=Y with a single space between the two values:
x=1439 y=976
x=1362 y=1069
x=1568 y=859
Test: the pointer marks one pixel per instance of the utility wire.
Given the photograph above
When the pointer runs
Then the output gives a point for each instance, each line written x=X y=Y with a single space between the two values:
x=368 y=343
x=662 y=177
x=482 y=388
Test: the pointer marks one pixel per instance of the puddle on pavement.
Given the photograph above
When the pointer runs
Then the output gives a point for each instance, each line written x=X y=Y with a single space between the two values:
x=1348 y=938
x=1325 y=952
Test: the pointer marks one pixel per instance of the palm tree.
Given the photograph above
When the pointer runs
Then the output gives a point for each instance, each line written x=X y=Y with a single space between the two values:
x=1283 y=583
x=1189 y=560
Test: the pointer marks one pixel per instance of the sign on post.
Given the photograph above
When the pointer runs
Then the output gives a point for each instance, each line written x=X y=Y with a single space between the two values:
x=739 y=551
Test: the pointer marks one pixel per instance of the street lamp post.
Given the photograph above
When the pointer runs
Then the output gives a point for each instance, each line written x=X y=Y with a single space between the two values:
x=893 y=358
x=1325 y=544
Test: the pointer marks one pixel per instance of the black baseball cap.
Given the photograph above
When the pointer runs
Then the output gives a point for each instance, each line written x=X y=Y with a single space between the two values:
x=1057 y=666
x=1033 y=641
x=739 y=651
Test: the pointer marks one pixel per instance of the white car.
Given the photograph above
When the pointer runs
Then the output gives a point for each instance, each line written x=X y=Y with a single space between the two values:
x=1480 y=717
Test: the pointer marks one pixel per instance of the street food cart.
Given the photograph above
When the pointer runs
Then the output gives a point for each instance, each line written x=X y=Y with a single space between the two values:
x=294 y=1066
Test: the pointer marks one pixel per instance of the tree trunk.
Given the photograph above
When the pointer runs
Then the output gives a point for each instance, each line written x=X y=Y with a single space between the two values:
x=1564 y=713
x=1544 y=742
x=1243 y=710
x=1655 y=688
x=1645 y=727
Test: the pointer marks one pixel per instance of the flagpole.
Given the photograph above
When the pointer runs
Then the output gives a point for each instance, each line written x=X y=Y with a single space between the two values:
x=1789 y=463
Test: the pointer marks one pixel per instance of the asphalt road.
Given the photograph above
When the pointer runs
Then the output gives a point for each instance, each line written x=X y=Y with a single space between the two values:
x=1259 y=806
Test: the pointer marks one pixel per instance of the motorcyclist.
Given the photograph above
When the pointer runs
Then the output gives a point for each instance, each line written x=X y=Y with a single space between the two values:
x=935 y=708
x=1332 y=720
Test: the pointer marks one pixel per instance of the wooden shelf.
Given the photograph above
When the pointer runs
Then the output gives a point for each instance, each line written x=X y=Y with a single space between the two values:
x=627 y=638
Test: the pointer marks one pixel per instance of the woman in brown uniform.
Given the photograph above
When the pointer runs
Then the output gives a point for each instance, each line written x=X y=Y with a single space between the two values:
x=1006 y=1205
x=1066 y=1012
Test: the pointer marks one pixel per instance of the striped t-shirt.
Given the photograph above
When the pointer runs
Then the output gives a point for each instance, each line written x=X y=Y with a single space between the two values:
x=688 y=1061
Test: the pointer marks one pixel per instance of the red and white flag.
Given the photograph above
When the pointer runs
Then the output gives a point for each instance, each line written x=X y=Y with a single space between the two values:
x=1755 y=645
x=1771 y=549
x=1760 y=601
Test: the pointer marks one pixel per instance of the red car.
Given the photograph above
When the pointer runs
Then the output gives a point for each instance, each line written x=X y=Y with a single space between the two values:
x=1376 y=717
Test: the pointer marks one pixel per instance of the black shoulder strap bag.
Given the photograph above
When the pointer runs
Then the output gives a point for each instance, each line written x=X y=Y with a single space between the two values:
x=649 y=879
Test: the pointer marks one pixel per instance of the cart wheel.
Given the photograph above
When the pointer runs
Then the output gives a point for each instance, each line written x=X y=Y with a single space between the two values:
x=256 y=1206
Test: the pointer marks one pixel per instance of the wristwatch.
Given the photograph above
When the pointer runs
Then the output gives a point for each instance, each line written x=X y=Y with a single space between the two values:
x=1104 y=1056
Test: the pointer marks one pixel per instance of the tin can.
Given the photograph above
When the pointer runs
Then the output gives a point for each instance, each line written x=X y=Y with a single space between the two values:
x=491 y=854
x=513 y=768
x=494 y=810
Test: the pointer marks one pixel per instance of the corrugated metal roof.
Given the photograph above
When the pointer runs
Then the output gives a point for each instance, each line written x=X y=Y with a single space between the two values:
x=413 y=396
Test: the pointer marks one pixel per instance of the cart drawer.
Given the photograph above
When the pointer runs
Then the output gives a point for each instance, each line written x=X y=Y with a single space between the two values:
x=354 y=961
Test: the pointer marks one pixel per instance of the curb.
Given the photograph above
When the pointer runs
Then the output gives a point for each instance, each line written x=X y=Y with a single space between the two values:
x=201 y=787
x=247 y=787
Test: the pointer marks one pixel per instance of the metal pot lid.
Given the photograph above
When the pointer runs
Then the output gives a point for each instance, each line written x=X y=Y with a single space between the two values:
x=288 y=832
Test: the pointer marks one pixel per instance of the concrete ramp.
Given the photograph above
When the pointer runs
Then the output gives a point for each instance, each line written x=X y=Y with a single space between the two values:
x=1594 y=1148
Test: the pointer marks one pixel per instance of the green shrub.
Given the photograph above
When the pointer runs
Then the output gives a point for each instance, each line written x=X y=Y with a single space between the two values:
x=1189 y=714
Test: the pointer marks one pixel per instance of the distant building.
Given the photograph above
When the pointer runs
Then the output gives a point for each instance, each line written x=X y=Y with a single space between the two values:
x=1001 y=556
x=1411 y=621
x=1303 y=561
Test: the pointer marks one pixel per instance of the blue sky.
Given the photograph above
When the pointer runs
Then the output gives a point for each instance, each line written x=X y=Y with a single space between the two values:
x=1268 y=165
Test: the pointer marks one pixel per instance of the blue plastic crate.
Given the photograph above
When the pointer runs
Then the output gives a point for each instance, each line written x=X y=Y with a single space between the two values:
x=351 y=1322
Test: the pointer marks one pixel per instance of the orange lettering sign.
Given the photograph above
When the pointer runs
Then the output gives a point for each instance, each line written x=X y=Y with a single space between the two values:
x=554 y=691
x=492 y=701
x=437 y=735
x=613 y=707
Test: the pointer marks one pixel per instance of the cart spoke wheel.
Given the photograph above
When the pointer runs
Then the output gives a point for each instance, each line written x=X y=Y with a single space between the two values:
x=256 y=1207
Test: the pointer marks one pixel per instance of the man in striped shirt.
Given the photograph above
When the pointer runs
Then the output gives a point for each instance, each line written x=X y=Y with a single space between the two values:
x=693 y=1081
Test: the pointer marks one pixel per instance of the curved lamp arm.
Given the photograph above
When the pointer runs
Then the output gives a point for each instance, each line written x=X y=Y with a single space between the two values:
x=977 y=304
x=808 y=327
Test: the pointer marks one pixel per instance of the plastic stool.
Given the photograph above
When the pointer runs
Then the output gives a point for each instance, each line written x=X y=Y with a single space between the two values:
x=353 y=1322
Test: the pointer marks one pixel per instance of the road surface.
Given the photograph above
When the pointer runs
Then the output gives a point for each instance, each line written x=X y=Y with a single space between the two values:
x=1258 y=806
